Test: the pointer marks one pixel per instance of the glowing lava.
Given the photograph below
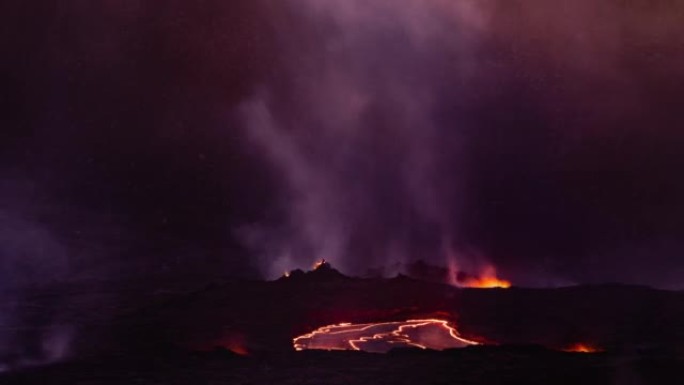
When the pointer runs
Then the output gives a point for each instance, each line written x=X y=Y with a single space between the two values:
x=581 y=348
x=320 y=264
x=487 y=279
x=381 y=337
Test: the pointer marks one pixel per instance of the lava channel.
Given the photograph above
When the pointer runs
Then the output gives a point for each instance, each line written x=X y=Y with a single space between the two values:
x=381 y=337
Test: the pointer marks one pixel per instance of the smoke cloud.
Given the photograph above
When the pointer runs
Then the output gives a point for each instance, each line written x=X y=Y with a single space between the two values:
x=426 y=130
x=373 y=176
x=31 y=332
x=160 y=140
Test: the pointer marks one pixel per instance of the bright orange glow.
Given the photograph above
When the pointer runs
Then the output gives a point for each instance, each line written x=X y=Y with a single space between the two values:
x=380 y=337
x=318 y=264
x=581 y=348
x=487 y=279
x=286 y=274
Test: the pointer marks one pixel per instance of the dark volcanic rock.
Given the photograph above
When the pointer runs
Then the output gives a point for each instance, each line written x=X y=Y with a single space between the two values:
x=251 y=316
x=479 y=365
x=257 y=317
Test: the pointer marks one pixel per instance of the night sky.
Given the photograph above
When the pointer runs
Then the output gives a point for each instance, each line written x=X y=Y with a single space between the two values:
x=142 y=138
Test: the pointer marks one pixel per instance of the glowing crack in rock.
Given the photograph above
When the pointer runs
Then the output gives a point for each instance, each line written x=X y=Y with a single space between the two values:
x=381 y=337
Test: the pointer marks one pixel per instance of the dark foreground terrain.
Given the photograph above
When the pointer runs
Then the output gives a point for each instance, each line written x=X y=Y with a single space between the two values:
x=240 y=332
x=475 y=365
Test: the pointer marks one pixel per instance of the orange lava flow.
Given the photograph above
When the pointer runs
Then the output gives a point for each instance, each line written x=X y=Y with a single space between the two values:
x=581 y=348
x=381 y=337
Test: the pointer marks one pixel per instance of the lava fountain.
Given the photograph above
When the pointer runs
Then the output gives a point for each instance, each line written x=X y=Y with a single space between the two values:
x=381 y=337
